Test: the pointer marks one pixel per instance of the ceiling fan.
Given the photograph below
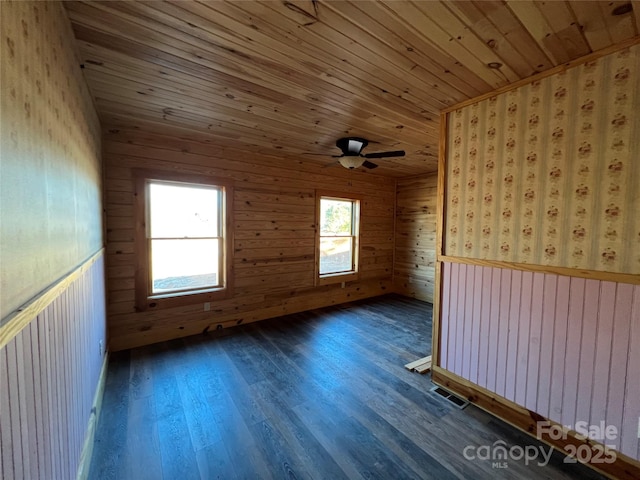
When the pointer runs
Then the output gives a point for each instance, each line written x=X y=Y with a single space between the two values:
x=352 y=156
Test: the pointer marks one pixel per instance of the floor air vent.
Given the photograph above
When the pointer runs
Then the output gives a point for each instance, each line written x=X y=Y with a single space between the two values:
x=457 y=401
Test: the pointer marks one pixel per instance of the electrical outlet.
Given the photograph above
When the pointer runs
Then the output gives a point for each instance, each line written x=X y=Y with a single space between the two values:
x=207 y=306
x=343 y=284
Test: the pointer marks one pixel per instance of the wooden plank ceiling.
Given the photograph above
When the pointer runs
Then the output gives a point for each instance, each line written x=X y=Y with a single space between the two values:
x=288 y=78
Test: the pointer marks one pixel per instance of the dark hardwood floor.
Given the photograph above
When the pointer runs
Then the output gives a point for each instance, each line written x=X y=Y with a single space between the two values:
x=321 y=395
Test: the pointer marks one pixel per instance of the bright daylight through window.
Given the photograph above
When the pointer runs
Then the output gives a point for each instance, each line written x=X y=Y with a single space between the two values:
x=185 y=239
x=338 y=236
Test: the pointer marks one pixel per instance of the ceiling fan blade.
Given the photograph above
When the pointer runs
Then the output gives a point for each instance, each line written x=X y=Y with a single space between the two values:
x=395 y=153
x=331 y=164
x=369 y=165
x=324 y=155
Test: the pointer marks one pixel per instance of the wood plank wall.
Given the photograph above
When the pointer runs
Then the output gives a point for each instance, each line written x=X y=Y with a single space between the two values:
x=49 y=373
x=566 y=348
x=274 y=228
x=415 y=237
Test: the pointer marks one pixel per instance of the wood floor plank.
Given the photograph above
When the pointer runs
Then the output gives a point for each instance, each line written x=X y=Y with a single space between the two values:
x=142 y=455
x=199 y=415
x=240 y=445
x=315 y=395
x=404 y=447
x=109 y=452
x=177 y=454
x=214 y=462
x=141 y=384
x=301 y=441
x=176 y=449
x=325 y=425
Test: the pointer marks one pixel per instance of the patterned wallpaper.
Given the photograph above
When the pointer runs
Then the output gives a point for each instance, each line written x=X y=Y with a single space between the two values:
x=51 y=169
x=549 y=173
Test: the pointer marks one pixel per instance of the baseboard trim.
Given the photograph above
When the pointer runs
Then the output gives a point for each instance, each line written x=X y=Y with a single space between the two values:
x=283 y=304
x=623 y=468
x=87 y=447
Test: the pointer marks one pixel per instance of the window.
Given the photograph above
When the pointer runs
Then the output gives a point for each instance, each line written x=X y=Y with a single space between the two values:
x=338 y=222
x=182 y=242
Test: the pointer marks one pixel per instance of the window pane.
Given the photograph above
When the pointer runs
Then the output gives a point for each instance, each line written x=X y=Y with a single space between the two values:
x=336 y=217
x=336 y=255
x=184 y=264
x=183 y=211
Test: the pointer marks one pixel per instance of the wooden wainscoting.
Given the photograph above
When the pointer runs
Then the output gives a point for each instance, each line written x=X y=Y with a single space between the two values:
x=49 y=374
x=566 y=348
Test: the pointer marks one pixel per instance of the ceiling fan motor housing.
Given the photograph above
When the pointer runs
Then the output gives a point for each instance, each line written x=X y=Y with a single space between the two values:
x=351 y=146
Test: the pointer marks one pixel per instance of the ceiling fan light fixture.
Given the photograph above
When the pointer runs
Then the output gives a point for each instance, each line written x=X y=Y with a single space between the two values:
x=352 y=156
x=351 y=162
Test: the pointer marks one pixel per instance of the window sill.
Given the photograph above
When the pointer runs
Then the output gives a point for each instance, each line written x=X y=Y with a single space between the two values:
x=178 y=299
x=333 y=278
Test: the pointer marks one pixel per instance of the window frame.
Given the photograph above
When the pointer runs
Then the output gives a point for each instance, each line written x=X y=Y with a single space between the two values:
x=339 y=277
x=144 y=298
